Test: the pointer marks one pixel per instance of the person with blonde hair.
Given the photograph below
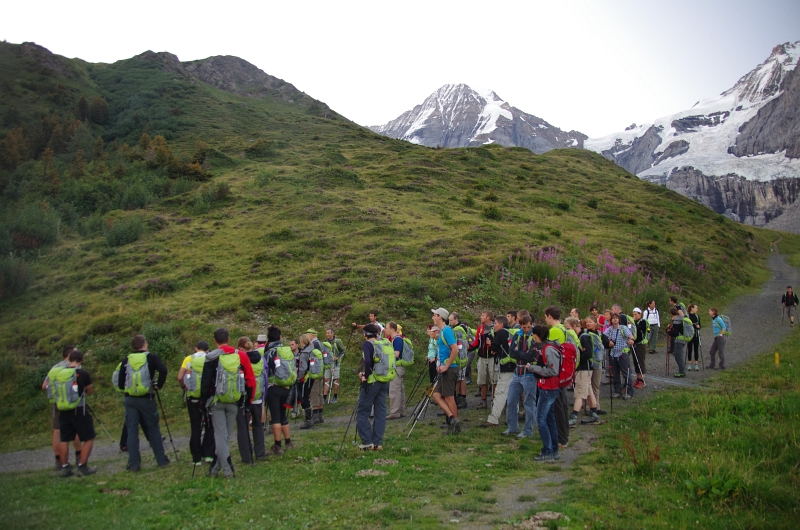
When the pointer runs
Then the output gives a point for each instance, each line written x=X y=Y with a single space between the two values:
x=252 y=413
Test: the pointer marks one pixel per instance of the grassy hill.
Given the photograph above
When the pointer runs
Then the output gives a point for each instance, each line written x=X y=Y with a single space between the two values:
x=177 y=206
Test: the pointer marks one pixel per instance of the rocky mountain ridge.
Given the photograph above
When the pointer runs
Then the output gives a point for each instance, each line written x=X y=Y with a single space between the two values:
x=456 y=115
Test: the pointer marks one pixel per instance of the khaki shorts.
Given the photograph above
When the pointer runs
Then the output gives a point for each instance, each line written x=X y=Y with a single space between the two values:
x=487 y=370
x=336 y=371
x=447 y=383
x=583 y=380
x=316 y=397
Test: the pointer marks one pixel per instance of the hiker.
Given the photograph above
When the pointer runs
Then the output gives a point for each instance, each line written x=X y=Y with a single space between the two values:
x=639 y=347
x=512 y=320
x=605 y=320
x=583 y=372
x=282 y=376
x=317 y=398
x=294 y=347
x=261 y=343
x=488 y=367
x=136 y=377
x=445 y=390
x=373 y=319
x=372 y=396
x=676 y=332
x=332 y=373
x=500 y=352
x=718 y=346
x=189 y=377
x=601 y=348
x=575 y=313
x=227 y=385
x=620 y=339
x=71 y=386
x=557 y=334
x=433 y=337
x=789 y=302
x=304 y=380
x=682 y=312
x=397 y=390
x=694 y=344
x=654 y=319
x=251 y=414
x=545 y=368
x=523 y=352
x=55 y=424
x=463 y=339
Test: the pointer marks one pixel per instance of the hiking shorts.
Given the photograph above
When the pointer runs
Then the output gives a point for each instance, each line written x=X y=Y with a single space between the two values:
x=336 y=370
x=488 y=371
x=317 y=397
x=791 y=311
x=76 y=423
x=583 y=380
x=447 y=382
x=55 y=423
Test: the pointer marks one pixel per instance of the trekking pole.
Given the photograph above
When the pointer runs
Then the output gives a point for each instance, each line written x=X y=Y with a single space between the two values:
x=347 y=429
x=610 y=384
x=421 y=414
x=161 y=404
x=700 y=350
x=247 y=432
x=639 y=364
x=418 y=406
x=101 y=424
x=416 y=386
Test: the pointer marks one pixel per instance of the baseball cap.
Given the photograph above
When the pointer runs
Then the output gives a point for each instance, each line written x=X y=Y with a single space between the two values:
x=371 y=330
x=261 y=338
x=442 y=312
x=637 y=310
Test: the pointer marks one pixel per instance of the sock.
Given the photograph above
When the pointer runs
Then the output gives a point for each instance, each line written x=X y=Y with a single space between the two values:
x=336 y=396
x=449 y=420
x=288 y=441
x=278 y=443
x=594 y=410
x=77 y=454
x=64 y=465
x=58 y=459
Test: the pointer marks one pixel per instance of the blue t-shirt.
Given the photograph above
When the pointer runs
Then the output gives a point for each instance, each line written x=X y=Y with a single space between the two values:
x=397 y=344
x=446 y=339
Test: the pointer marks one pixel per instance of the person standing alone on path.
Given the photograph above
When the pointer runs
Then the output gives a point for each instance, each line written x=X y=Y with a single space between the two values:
x=789 y=301
x=654 y=319
x=397 y=389
x=719 y=339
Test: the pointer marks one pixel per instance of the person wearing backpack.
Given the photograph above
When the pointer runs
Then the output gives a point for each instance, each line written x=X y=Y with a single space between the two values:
x=488 y=367
x=136 y=377
x=676 y=333
x=583 y=372
x=282 y=376
x=789 y=302
x=309 y=369
x=447 y=367
x=522 y=382
x=55 y=424
x=374 y=389
x=397 y=390
x=718 y=346
x=189 y=377
x=71 y=386
x=640 y=332
x=500 y=352
x=558 y=334
x=463 y=339
x=252 y=413
x=694 y=344
x=654 y=319
x=620 y=339
x=600 y=347
x=228 y=382
x=332 y=374
x=545 y=368
x=324 y=353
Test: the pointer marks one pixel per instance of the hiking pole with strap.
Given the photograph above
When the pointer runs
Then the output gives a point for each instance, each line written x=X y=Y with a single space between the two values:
x=610 y=384
x=101 y=425
x=161 y=404
x=418 y=406
x=416 y=386
x=422 y=410
x=639 y=364
x=347 y=429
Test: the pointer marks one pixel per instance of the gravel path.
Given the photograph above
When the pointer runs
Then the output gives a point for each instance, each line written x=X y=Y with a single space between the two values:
x=756 y=321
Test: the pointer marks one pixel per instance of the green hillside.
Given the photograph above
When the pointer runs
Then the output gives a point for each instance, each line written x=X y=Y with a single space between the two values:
x=165 y=204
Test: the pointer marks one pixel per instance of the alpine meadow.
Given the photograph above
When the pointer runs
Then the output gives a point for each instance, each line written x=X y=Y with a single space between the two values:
x=169 y=199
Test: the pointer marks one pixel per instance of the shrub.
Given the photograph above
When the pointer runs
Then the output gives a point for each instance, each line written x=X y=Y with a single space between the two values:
x=14 y=277
x=264 y=176
x=164 y=340
x=136 y=196
x=491 y=196
x=336 y=176
x=563 y=205
x=124 y=231
x=214 y=193
x=592 y=203
x=260 y=149
x=469 y=202
x=32 y=226
x=155 y=287
x=492 y=213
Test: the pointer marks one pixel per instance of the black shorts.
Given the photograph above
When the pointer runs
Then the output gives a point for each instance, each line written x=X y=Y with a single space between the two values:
x=76 y=423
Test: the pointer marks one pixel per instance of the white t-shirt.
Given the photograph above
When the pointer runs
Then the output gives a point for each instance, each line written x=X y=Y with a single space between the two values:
x=652 y=317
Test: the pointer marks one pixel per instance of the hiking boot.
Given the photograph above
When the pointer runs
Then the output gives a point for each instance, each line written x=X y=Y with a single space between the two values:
x=482 y=405
x=209 y=459
x=522 y=435
x=334 y=400
x=455 y=426
x=543 y=457
x=638 y=384
x=469 y=381
x=591 y=419
x=366 y=447
x=573 y=419
x=309 y=423
x=710 y=367
x=680 y=375
x=289 y=445
x=617 y=395
x=556 y=455
x=562 y=446
x=489 y=424
x=444 y=425
x=66 y=471
x=58 y=464
x=461 y=403
x=509 y=433
x=84 y=469
x=601 y=412
x=320 y=418
x=395 y=416
x=627 y=397
x=275 y=450
x=478 y=393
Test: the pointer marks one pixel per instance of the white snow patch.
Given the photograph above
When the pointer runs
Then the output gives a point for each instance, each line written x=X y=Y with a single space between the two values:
x=492 y=110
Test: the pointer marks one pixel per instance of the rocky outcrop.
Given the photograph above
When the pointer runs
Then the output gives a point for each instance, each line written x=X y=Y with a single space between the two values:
x=458 y=116
x=746 y=201
x=45 y=58
x=776 y=126
x=638 y=155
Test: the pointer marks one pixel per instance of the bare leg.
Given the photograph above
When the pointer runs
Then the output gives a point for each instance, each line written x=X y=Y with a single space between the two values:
x=57 y=443
x=443 y=404
x=86 y=451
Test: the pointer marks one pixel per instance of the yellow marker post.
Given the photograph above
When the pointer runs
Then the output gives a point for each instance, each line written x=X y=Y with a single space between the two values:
x=777 y=360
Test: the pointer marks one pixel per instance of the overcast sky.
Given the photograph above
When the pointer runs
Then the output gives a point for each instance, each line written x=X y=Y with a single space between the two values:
x=592 y=66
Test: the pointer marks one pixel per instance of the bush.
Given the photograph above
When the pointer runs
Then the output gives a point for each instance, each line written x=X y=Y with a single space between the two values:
x=214 y=193
x=124 y=231
x=264 y=176
x=136 y=196
x=492 y=213
x=469 y=202
x=592 y=203
x=164 y=340
x=260 y=149
x=31 y=227
x=14 y=277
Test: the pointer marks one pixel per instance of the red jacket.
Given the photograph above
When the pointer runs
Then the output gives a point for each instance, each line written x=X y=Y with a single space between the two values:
x=480 y=343
x=249 y=376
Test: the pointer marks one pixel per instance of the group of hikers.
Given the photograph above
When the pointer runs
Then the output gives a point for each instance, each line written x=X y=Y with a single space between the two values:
x=525 y=369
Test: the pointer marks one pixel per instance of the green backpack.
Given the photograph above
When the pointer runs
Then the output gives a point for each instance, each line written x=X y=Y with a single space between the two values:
x=51 y=377
x=137 y=375
x=230 y=379
x=65 y=390
x=688 y=330
x=383 y=368
x=316 y=364
x=258 y=372
x=462 y=333
x=193 y=375
x=285 y=373
x=407 y=355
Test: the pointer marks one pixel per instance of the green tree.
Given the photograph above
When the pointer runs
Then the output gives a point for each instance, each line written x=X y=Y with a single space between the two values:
x=98 y=110
x=162 y=151
x=144 y=143
x=13 y=149
x=78 y=166
x=98 y=149
x=83 y=108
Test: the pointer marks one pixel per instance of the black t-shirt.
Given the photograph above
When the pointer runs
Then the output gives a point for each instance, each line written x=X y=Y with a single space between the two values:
x=789 y=299
x=369 y=353
x=83 y=379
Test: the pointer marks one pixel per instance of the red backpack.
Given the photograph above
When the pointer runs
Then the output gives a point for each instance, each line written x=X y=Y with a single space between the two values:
x=566 y=370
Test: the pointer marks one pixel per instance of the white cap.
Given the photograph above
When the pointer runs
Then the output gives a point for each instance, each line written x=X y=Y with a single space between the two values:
x=442 y=312
x=637 y=310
